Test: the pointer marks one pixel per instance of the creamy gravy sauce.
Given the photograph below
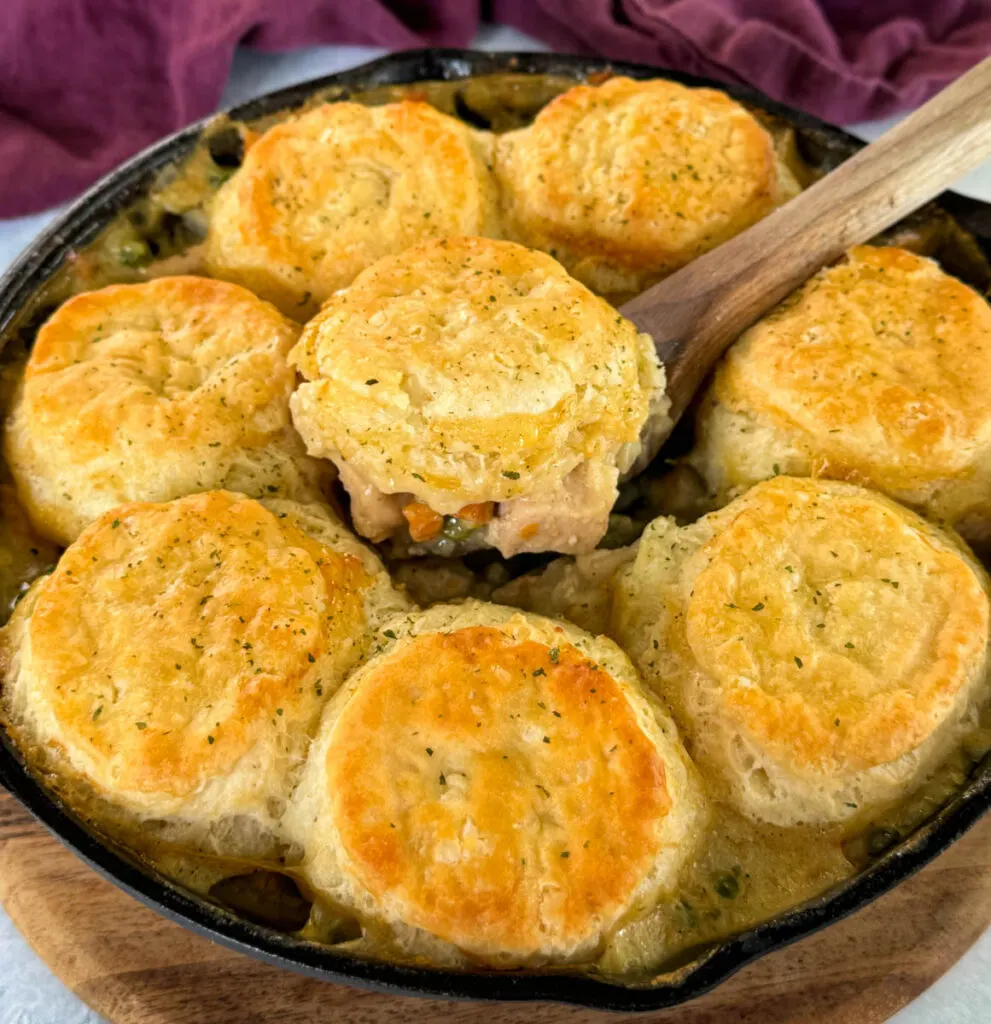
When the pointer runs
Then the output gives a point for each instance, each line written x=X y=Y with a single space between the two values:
x=744 y=873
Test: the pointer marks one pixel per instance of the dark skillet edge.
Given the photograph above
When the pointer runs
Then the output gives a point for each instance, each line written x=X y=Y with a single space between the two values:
x=78 y=226
x=274 y=948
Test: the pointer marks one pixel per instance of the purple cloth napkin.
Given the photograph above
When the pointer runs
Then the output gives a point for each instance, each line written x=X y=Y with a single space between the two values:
x=86 y=83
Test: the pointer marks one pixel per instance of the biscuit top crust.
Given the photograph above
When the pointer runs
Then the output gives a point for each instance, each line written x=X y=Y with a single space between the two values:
x=172 y=638
x=470 y=370
x=646 y=174
x=323 y=195
x=839 y=628
x=176 y=361
x=500 y=794
x=878 y=364
x=151 y=391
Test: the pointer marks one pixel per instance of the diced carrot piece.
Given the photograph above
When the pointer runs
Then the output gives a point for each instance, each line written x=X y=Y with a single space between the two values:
x=424 y=522
x=530 y=531
x=479 y=514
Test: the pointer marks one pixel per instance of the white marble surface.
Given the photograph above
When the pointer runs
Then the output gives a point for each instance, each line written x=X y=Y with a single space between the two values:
x=29 y=993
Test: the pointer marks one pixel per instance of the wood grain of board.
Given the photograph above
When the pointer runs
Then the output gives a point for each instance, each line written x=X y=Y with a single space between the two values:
x=134 y=967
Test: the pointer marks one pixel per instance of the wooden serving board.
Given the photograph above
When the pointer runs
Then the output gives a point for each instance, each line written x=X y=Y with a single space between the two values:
x=135 y=967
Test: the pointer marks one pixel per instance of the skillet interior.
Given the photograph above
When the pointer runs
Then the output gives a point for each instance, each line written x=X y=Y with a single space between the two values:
x=822 y=146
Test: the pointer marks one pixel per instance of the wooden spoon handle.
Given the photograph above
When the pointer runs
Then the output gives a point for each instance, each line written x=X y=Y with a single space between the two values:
x=694 y=314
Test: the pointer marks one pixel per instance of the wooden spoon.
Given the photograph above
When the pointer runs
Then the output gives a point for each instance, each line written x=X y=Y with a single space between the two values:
x=695 y=314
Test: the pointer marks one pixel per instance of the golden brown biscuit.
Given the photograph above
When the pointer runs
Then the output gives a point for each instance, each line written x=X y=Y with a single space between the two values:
x=874 y=372
x=626 y=181
x=152 y=391
x=474 y=379
x=495 y=784
x=821 y=645
x=323 y=195
x=176 y=661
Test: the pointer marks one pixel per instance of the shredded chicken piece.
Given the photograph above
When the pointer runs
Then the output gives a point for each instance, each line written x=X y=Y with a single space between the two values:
x=571 y=519
x=376 y=515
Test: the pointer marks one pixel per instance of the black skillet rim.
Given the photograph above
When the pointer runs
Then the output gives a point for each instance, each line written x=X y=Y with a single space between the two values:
x=78 y=226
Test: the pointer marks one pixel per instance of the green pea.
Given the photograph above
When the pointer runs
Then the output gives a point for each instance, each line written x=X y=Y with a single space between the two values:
x=458 y=529
x=728 y=886
x=134 y=254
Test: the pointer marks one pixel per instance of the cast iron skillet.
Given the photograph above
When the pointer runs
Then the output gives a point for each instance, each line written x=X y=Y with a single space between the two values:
x=87 y=217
